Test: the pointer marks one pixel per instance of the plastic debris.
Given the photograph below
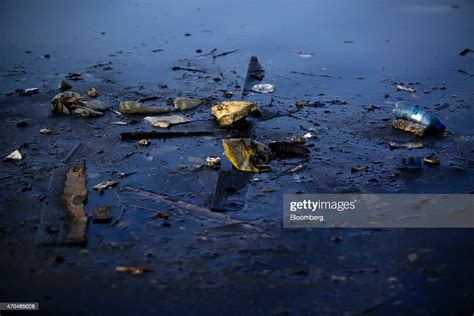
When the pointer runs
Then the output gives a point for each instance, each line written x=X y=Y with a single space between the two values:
x=166 y=121
x=305 y=55
x=410 y=112
x=213 y=162
x=394 y=145
x=247 y=155
x=132 y=270
x=185 y=104
x=92 y=92
x=27 y=91
x=263 y=88
x=404 y=88
x=74 y=103
x=144 y=142
x=298 y=139
x=73 y=76
x=229 y=112
x=432 y=160
x=465 y=51
x=100 y=187
x=101 y=214
x=287 y=150
x=64 y=85
x=15 y=155
x=410 y=127
x=359 y=168
x=22 y=123
x=412 y=257
x=46 y=131
x=135 y=107
x=121 y=123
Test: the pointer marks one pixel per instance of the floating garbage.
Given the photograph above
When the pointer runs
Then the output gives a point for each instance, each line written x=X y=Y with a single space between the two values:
x=92 y=92
x=432 y=160
x=359 y=168
x=74 y=103
x=166 y=121
x=404 y=88
x=64 y=85
x=213 y=162
x=46 y=131
x=15 y=155
x=101 y=214
x=105 y=185
x=410 y=112
x=465 y=51
x=132 y=270
x=135 y=107
x=247 y=155
x=229 y=112
x=288 y=150
x=305 y=55
x=410 y=127
x=144 y=142
x=298 y=139
x=263 y=88
x=27 y=91
x=185 y=104
x=394 y=145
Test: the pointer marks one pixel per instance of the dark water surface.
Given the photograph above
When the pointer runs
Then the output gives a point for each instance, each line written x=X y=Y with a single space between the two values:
x=358 y=52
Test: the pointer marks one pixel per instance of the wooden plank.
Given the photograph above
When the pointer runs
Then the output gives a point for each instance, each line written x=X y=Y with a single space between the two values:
x=64 y=219
x=158 y=134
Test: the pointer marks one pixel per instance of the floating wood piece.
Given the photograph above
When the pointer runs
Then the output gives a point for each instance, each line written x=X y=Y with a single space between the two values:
x=101 y=214
x=75 y=195
x=64 y=220
x=255 y=74
x=394 y=145
x=288 y=150
x=410 y=127
x=230 y=191
x=159 y=134
x=224 y=53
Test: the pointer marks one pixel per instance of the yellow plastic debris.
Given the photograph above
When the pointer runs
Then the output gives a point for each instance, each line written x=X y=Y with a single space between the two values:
x=247 y=155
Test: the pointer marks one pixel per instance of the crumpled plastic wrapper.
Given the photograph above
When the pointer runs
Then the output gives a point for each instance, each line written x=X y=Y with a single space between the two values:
x=76 y=104
x=247 y=155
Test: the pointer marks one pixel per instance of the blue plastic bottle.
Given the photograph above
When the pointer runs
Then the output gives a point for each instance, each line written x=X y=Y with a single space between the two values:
x=410 y=112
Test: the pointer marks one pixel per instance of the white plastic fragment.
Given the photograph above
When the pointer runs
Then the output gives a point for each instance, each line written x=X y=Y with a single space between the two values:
x=263 y=88
x=403 y=88
x=16 y=155
x=166 y=121
x=305 y=54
